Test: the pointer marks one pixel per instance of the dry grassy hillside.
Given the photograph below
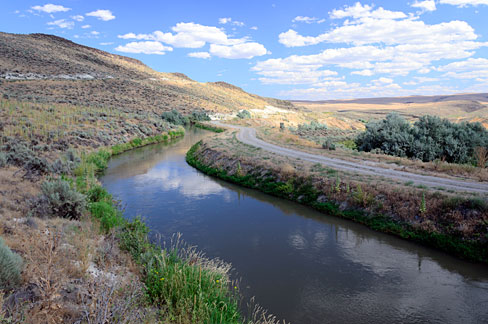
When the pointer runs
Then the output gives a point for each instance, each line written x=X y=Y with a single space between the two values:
x=50 y=69
x=457 y=108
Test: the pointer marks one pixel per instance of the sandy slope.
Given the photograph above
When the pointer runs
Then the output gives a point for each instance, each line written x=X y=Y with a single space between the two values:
x=248 y=136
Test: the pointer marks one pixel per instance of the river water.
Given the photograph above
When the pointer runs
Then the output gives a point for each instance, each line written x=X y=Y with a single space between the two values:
x=301 y=265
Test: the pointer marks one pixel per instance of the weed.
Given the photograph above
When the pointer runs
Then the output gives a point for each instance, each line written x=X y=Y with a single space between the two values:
x=58 y=199
x=107 y=214
x=10 y=267
x=423 y=206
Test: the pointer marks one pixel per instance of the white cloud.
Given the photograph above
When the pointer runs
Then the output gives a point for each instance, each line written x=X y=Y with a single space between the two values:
x=426 y=79
x=292 y=39
x=464 y=3
x=383 y=42
x=296 y=77
x=342 y=89
x=238 y=51
x=95 y=33
x=202 y=55
x=102 y=14
x=358 y=11
x=363 y=72
x=78 y=18
x=386 y=31
x=106 y=43
x=254 y=28
x=51 y=8
x=62 y=23
x=383 y=80
x=308 y=20
x=148 y=47
x=224 y=20
x=86 y=26
x=469 y=69
x=427 y=5
x=188 y=35
x=229 y=20
x=192 y=35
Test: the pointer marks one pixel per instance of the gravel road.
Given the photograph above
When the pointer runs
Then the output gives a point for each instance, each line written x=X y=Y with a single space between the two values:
x=247 y=135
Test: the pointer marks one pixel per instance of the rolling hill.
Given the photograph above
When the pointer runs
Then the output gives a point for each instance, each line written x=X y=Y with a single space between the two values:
x=50 y=69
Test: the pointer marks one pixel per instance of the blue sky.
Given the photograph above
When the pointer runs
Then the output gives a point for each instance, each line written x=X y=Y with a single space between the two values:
x=286 y=49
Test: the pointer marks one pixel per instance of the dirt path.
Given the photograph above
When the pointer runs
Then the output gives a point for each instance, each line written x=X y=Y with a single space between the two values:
x=247 y=135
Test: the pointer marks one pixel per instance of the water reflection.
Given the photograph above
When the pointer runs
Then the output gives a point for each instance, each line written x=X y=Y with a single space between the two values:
x=301 y=265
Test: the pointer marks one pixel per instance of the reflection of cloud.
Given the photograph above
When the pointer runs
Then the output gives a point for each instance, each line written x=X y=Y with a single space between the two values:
x=416 y=285
x=297 y=241
x=190 y=184
x=319 y=239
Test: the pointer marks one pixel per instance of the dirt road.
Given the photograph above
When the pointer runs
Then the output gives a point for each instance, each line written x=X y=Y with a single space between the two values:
x=247 y=135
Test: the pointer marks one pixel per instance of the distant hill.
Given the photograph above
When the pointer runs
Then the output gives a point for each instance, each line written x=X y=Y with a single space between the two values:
x=403 y=100
x=47 y=68
x=472 y=107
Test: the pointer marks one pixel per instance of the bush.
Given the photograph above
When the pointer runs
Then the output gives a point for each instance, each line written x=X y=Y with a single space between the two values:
x=328 y=145
x=175 y=117
x=3 y=159
x=133 y=238
x=19 y=154
x=313 y=126
x=199 y=115
x=10 y=267
x=430 y=138
x=99 y=159
x=58 y=199
x=107 y=214
x=243 y=114
x=98 y=193
x=391 y=135
x=65 y=165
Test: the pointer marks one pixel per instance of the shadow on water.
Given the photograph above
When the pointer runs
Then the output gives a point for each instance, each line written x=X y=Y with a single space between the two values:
x=301 y=265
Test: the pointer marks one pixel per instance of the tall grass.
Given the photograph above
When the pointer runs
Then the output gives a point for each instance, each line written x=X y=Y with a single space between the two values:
x=186 y=286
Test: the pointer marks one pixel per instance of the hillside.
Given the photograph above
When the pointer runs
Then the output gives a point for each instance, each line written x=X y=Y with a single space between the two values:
x=462 y=107
x=51 y=69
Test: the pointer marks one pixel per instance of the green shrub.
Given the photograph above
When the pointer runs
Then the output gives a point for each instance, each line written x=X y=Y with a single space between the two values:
x=175 y=117
x=430 y=138
x=243 y=114
x=10 y=267
x=328 y=145
x=58 y=199
x=98 y=193
x=99 y=159
x=19 y=154
x=3 y=159
x=65 y=165
x=313 y=126
x=199 y=115
x=136 y=142
x=350 y=144
x=133 y=238
x=107 y=214
x=391 y=135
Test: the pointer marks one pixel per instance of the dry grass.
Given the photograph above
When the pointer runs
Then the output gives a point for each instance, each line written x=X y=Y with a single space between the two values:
x=437 y=168
x=445 y=212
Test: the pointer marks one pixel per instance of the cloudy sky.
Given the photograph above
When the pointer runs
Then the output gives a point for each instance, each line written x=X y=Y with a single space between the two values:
x=286 y=49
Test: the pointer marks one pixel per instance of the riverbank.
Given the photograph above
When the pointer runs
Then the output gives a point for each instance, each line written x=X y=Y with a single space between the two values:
x=68 y=234
x=81 y=260
x=450 y=223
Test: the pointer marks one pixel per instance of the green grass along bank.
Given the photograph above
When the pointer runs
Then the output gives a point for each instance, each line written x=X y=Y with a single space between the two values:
x=187 y=287
x=209 y=127
x=302 y=190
